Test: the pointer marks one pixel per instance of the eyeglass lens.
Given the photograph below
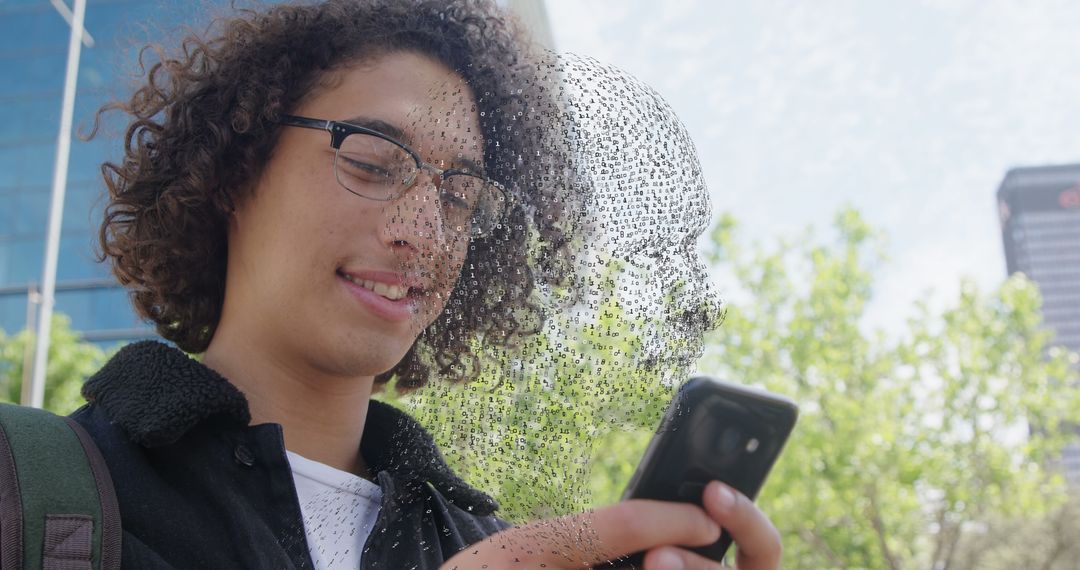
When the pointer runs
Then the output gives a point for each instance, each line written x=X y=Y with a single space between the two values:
x=378 y=169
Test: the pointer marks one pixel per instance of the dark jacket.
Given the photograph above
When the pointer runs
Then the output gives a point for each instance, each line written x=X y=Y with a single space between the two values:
x=200 y=488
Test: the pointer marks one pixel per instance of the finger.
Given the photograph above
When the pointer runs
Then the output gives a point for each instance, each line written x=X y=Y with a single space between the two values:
x=671 y=558
x=638 y=525
x=757 y=539
x=593 y=537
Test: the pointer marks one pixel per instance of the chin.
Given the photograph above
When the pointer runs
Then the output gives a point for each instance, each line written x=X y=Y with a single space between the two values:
x=364 y=366
x=357 y=357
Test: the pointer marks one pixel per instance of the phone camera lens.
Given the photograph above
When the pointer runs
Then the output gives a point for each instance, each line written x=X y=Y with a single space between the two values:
x=729 y=441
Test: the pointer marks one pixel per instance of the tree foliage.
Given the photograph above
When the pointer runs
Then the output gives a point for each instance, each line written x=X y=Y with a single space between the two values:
x=70 y=362
x=906 y=446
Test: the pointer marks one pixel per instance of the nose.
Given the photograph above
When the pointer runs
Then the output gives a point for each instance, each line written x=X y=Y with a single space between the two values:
x=414 y=220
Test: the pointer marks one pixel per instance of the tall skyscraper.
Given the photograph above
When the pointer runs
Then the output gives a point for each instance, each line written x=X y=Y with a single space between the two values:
x=1040 y=225
x=33 y=55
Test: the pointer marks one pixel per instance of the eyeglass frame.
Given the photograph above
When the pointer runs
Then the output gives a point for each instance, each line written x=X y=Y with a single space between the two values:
x=340 y=130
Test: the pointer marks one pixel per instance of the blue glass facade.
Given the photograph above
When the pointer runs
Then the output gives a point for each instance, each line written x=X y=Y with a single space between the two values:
x=33 y=56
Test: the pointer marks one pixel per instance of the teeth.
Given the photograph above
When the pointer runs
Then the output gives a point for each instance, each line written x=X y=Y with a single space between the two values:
x=392 y=292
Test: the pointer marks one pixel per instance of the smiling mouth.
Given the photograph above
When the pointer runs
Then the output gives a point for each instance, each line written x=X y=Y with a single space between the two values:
x=391 y=292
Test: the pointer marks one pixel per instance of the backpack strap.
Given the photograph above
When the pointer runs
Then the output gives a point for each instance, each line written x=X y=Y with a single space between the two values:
x=58 y=508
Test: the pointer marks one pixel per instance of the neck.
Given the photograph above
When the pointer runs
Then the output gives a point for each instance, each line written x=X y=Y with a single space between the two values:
x=321 y=414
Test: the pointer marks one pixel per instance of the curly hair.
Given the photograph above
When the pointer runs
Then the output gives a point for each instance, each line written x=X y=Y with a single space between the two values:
x=205 y=121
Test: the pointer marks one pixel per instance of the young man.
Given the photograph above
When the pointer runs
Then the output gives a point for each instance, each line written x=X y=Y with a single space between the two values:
x=309 y=199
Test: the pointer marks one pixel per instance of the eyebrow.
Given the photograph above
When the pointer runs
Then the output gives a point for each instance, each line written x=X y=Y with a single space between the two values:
x=471 y=166
x=381 y=126
x=399 y=135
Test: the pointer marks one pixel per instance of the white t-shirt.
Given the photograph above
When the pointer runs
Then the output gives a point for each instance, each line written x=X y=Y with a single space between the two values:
x=339 y=511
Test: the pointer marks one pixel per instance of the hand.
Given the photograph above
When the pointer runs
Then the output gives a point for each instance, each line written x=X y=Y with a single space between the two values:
x=594 y=537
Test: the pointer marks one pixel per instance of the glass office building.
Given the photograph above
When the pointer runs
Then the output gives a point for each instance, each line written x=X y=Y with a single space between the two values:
x=1040 y=225
x=33 y=56
x=1040 y=215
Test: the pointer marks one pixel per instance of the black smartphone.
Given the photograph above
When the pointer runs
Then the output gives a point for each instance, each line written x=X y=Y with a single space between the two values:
x=712 y=430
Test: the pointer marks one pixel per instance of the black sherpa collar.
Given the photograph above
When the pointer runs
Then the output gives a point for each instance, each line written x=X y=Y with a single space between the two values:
x=156 y=393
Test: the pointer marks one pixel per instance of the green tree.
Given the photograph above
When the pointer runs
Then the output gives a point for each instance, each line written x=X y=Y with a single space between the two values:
x=1040 y=542
x=71 y=361
x=905 y=446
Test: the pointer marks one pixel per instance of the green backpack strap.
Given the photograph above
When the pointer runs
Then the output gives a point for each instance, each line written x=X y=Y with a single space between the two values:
x=58 y=508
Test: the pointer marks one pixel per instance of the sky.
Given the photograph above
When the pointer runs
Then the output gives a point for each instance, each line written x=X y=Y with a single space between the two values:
x=910 y=111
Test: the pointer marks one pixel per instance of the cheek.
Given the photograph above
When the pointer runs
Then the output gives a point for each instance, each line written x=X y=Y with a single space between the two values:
x=451 y=274
x=301 y=254
x=454 y=264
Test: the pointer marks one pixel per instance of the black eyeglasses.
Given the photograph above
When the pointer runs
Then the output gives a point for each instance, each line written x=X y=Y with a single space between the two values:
x=373 y=165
